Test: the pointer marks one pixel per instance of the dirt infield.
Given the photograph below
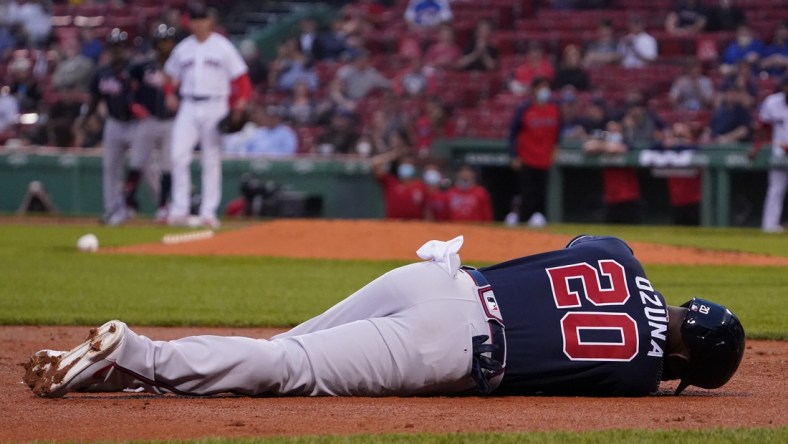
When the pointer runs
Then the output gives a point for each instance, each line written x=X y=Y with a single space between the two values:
x=347 y=239
x=756 y=397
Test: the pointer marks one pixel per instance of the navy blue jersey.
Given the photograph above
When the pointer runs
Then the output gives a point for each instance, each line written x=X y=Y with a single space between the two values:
x=580 y=321
x=114 y=87
x=148 y=80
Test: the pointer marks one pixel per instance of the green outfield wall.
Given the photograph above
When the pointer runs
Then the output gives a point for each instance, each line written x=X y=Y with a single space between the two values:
x=348 y=189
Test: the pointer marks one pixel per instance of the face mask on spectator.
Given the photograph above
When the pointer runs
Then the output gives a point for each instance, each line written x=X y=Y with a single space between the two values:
x=432 y=177
x=406 y=171
x=463 y=184
x=543 y=95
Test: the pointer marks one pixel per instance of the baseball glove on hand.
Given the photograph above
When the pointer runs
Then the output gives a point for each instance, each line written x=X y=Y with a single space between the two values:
x=234 y=121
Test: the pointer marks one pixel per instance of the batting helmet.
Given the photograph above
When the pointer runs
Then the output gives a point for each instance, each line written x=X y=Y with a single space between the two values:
x=117 y=37
x=164 y=32
x=715 y=340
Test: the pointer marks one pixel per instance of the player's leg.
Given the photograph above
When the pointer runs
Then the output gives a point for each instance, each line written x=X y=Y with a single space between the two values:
x=211 y=144
x=422 y=349
x=165 y=166
x=112 y=171
x=139 y=156
x=185 y=133
x=773 y=204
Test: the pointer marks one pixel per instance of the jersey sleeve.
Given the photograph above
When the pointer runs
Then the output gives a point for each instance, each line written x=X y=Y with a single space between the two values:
x=172 y=66
x=236 y=65
x=765 y=112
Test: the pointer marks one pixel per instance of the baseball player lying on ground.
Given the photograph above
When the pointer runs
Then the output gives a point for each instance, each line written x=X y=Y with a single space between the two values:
x=583 y=320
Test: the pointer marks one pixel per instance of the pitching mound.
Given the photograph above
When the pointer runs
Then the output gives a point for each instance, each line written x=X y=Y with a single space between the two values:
x=367 y=239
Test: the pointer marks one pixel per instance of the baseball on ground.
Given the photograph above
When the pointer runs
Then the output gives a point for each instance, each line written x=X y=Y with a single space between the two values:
x=88 y=243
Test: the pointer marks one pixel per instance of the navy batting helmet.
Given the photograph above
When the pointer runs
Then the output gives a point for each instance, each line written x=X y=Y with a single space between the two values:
x=117 y=37
x=715 y=340
x=164 y=32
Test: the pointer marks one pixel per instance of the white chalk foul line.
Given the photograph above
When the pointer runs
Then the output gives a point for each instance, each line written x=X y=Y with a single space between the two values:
x=180 y=238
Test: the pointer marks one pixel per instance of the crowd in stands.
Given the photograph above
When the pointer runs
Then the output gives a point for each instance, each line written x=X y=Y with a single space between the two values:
x=386 y=76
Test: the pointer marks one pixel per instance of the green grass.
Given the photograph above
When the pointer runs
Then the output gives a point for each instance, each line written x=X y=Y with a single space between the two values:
x=44 y=280
x=717 y=436
x=739 y=239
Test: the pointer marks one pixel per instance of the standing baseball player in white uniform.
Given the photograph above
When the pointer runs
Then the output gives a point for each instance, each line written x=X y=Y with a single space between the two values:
x=211 y=80
x=774 y=112
x=436 y=328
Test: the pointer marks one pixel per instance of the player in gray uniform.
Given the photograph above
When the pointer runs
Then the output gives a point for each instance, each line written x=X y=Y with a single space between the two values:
x=112 y=86
x=154 y=131
x=434 y=328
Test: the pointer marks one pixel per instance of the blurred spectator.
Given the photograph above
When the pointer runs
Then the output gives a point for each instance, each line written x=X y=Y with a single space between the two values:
x=743 y=80
x=8 y=41
x=638 y=48
x=9 y=113
x=24 y=85
x=91 y=45
x=570 y=71
x=595 y=117
x=436 y=123
x=356 y=80
x=428 y=13
x=684 y=185
x=571 y=116
x=300 y=108
x=687 y=17
x=726 y=16
x=604 y=50
x=404 y=193
x=775 y=56
x=415 y=80
x=533 y=137
x=174 y=18
x=290 y=67
x=89 y=135
x=74 y=71
x=254 y=61
x=745 y=48
x=640 y=126
x=444 y=53
x=468 y=202
x=536 y=65
x=330 y=45
x=307 y=38
x=479 y=54
x=373 y=11
x=387 y=119
x=621 y=188
x=692 y=90
x=272 y=137
x=731 y=121
x=437 y=204
x=341 y=136
x=34 y=19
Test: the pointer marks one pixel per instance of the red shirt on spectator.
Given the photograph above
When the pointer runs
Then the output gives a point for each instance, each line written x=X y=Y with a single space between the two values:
x=404 y=199
x=620 y=185
x=469 y=205
x=426 y=132
x=438 y=204
x=534 y=134
x=527 y=72
x=684 y=190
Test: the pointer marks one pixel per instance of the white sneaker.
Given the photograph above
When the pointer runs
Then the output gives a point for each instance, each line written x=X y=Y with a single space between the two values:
x=52 y=374
x=161 y=215
x=511 y=219
x=211 y=222
x=774 y=230
x=537 y=220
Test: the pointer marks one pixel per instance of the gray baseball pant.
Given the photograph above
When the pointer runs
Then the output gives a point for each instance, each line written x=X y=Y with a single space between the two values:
x=406 y=333
x=153 y=137
x=118 y=136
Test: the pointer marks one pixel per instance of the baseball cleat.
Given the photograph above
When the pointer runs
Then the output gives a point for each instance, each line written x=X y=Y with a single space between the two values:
x=52 y=374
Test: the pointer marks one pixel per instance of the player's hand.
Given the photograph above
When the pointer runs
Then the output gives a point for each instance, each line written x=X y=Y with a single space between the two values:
x=172 y=102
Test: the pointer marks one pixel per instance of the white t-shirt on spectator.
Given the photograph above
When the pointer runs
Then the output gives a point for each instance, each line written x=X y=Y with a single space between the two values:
x=774 y=111
x=9 y=111
x=643 y=44
x=205 y=68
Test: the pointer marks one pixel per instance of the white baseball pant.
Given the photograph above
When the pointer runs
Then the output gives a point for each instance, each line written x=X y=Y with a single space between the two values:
x=406 y=333
x=196 y=121
x=775 y=195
